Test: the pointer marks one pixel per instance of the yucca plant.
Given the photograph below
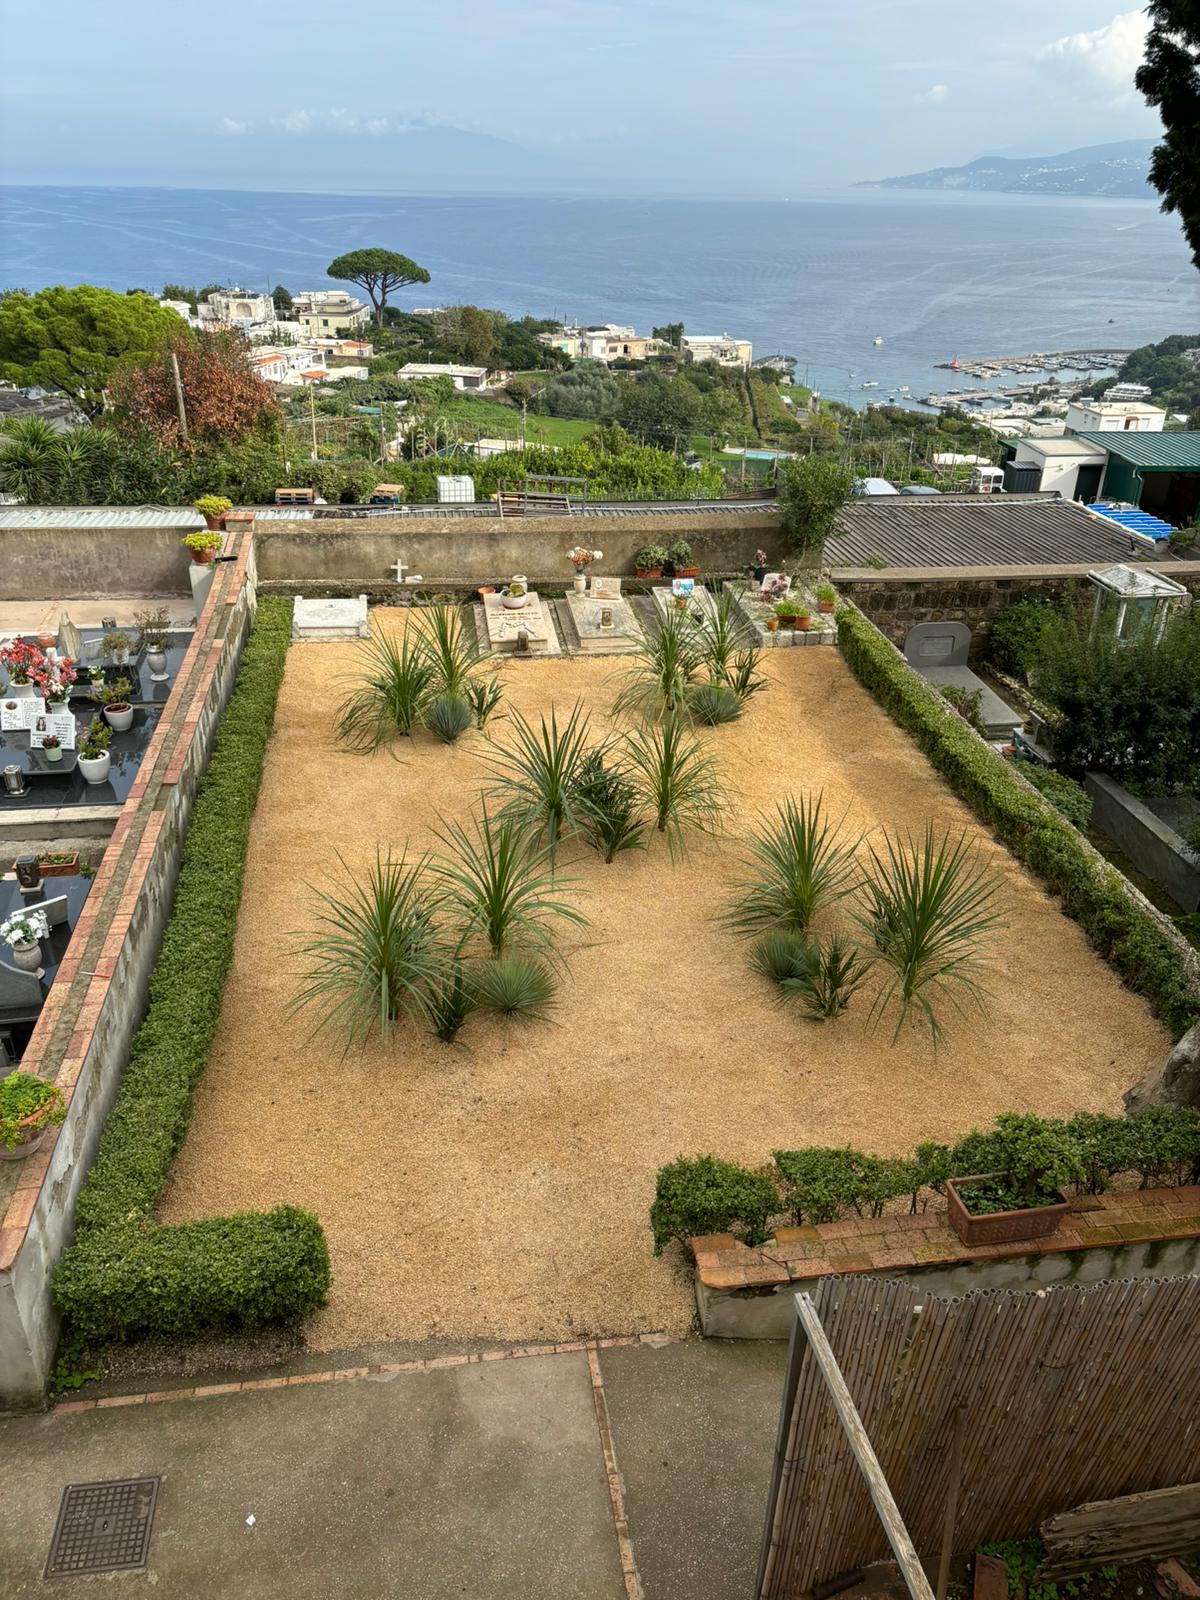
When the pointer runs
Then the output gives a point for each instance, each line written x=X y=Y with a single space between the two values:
x=927 y=909
x=452 y=651
x=666 y=660
x=713 y=704
x=516 y=987
x=743 y=676
x=611 y=817
x=483 y=695
x=537 y=777
x=447 y=716
x=782 y=955
x=727 y=634
x=450 y=1001
x=376 y=952
x=388 y=696
x=676 y=779
x=796 y=863
x=831 y=980
x=498 y=882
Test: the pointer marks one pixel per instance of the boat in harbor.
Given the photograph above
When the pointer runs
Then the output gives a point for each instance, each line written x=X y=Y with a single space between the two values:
x=878 y=339
x=870 y=384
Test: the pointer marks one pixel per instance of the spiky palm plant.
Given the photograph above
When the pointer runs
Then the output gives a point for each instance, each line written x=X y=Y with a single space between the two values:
x=666 y=660
x=537 y=777
x=726 y=635
x=515 y=986
x=676 y=779
x=451 y=1000
x=483 y=695
x=498 y=882
x=796 y=864
x=452 y=650
x=447 y=716
x=830 y=983
x=927 y=909
x=612 y=818
x=389 y=695
x=782 y=955
x=376 y=951
x=743 y=676
x=713 y=704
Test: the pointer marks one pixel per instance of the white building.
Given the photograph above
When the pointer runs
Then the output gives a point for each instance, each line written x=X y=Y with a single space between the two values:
x=462 y=377
x=718 y=347
x=1114 y=416
x=1128 y=391
x=238 y=308
x=602 y=341
x=1067 y=466
x=328 y=311
x=284 y=362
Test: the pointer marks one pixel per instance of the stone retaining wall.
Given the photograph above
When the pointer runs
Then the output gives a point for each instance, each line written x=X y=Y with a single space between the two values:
x=98 y=998
x=1152 y=846
x=747 y=1294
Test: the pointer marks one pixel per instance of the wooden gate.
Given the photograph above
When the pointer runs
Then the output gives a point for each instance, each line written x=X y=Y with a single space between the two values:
x=1065 y=1395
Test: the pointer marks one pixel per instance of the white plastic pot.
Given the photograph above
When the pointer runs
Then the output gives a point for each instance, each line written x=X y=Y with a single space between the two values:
x=96 y=768
x=119 y=718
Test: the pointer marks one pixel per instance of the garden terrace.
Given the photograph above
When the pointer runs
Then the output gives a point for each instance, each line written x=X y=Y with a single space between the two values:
x=500 y=1188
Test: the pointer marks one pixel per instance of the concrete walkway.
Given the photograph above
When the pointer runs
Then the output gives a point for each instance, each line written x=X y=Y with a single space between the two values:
x=594 y=1473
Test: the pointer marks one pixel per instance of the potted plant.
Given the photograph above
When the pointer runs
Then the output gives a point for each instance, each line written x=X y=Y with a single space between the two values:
x=680 y=557
x=153 y=639
x=94 y=759
x=650 y=560
x=803 y=618
x=59 y=678
x=52 y=747
x=1022 y=1198
x=58 y=863
x=22 y=932
x=118 y=712
x=23 y=663
x=581 y=560
x=786 y=611
x=28 y=1107
x=203 y=546
x=115 y=647
x=772 y=624
x=515 y=593
x=213 y=508
x=826 y=597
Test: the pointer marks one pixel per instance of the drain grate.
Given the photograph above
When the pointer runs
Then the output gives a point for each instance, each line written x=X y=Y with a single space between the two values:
x=103 y=1527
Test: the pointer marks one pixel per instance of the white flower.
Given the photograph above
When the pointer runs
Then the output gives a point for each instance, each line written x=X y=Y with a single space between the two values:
x=23 y=927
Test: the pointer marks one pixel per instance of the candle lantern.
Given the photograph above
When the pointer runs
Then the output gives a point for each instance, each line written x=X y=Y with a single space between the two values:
x=28 y=874
x=14 y=780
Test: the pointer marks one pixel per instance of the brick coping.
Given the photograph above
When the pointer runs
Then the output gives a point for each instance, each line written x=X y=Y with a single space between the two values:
x=874 y=1244
x=60 y=1042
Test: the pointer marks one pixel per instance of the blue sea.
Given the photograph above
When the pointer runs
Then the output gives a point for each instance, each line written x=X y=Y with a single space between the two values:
x=933 y=275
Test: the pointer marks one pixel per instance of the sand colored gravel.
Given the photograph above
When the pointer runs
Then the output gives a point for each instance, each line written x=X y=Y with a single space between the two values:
x=501 y=1189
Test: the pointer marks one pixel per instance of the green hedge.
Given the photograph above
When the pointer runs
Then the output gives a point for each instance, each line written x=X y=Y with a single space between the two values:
x=123 y=1275
x=1123 y=932
x=1159 y=1147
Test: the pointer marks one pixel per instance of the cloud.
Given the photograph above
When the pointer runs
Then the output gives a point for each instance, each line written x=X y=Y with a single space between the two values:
x=1108 y=56
x=297 y=122
x=934 y=96
x=233 y=127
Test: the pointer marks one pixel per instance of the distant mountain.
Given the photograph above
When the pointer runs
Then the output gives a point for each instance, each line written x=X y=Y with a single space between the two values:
x=1116 y=170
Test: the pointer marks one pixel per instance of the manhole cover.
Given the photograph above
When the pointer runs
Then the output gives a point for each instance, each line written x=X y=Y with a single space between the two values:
x=103 y=1527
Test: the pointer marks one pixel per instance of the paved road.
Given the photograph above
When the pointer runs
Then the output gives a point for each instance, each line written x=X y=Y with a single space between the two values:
x=483 y=1479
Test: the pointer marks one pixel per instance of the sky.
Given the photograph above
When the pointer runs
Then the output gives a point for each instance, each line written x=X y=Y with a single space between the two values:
x=714 y=97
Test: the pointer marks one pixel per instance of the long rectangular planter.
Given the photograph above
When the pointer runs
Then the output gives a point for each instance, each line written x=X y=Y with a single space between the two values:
x=1000 y=1227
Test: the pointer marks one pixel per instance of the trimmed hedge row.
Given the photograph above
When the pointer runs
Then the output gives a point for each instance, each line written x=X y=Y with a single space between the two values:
x=123 y=1274
x=701 y=1194
x=1094 y=895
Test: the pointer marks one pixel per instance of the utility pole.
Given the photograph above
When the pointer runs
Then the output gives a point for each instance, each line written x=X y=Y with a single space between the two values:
x=183 y=427
x=312 y=412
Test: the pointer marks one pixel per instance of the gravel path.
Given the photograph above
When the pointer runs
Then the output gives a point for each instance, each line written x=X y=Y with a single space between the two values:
x=500 y=1188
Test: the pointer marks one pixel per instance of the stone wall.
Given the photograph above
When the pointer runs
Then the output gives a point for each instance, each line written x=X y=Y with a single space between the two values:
x=896 y=602
x=747 y=1294
x=90 y=563
x=82 y=1037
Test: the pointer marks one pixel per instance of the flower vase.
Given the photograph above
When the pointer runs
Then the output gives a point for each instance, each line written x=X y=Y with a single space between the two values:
x=580 y=581
x=28 y=956
x=19 y=691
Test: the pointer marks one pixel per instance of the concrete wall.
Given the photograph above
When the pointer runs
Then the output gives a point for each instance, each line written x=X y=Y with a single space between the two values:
x=359 y=553
x=28 y=1324
x=1152 y=846
x=768 y=1313
x=89 y=563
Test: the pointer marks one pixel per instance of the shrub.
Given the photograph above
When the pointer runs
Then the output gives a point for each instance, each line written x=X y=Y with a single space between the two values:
x=839 y=972
x=822 y=1183
x=713 y=703
x=797 y=863
x=782 y=954
x=967 y=702
x=1014 y=636
x=27 y=1104
x=1122 y=929
x=448 y=716
x=122 y=1274
x=1064 y=794
x=700 y=1194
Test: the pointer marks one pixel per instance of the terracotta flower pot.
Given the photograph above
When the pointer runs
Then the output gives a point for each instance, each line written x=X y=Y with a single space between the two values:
x=772 y=624
x=648 y=572
x=687 y=572
x=786 y=622
x=25 y=1147
x=217 y=524
x=804 y=624
x=1001 y=1227
x=203 y=558
x=826 y=606
x=59 y=869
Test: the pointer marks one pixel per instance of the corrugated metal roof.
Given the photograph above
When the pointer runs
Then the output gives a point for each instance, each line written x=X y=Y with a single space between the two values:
x=100 y=517
x=976 y=531
x=1163 y=451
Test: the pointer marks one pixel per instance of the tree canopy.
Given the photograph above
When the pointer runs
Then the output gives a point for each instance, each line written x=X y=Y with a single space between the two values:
x=812 y=491
x=659 y=409
x=378 y=272
x=225 y=401
x=73 y=339
x=1169 y=77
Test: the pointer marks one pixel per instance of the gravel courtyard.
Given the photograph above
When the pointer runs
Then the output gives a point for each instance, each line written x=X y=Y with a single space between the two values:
x=499 y=1188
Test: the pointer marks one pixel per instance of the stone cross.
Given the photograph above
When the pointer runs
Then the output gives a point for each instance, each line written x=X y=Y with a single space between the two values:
x=401 y=567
